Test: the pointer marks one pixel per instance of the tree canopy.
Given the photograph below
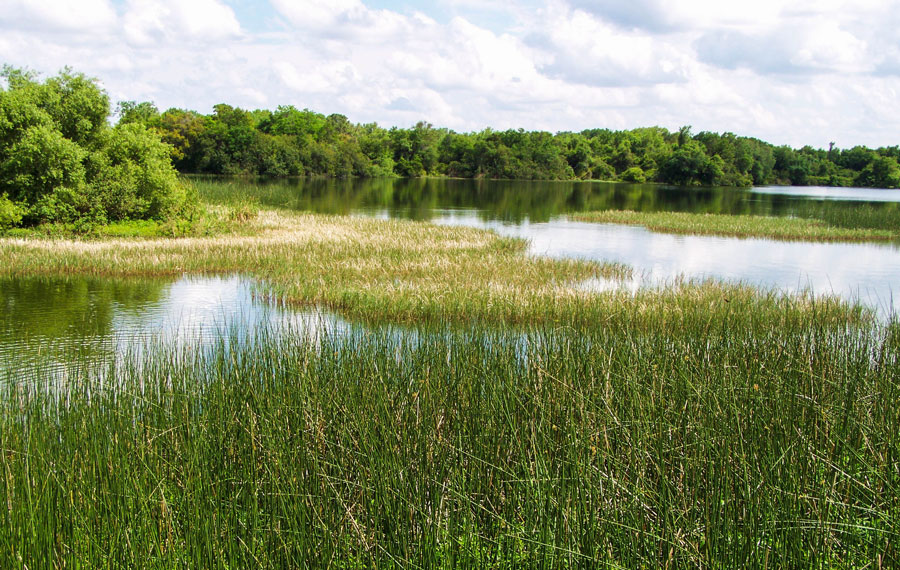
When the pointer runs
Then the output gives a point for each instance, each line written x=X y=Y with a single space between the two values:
x=62 y=162
x=290 y=141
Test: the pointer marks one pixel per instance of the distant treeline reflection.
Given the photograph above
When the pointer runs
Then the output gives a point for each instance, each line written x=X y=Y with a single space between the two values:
x=537 y=201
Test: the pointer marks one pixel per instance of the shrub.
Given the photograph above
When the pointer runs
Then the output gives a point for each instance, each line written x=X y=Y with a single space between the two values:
x=633 y=174
x=10 y=213
x=62 y=162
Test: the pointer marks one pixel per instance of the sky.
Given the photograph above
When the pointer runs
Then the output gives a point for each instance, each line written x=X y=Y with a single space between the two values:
x=791 y=72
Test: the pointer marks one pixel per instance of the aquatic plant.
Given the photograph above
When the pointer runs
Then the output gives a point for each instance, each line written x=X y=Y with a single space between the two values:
x=710 y=444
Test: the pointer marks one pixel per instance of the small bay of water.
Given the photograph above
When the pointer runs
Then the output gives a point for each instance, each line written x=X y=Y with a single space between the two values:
x=869 y=272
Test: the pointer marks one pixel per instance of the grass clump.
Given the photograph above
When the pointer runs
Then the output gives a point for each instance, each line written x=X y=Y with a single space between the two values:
x=783 y=228
x=712 y=445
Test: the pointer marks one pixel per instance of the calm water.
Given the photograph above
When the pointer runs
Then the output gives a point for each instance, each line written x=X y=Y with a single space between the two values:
x=49 y=322
x=869 y=273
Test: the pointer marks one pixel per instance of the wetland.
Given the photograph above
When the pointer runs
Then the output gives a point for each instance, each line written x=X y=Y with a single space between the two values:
x=443 y=373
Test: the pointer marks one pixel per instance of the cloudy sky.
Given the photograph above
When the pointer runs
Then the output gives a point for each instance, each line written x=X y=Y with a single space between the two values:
x=787 y=71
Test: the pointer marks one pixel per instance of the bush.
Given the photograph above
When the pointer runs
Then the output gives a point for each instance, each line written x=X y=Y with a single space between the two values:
x=62 y=163
x=633 y=174
x=10 y=213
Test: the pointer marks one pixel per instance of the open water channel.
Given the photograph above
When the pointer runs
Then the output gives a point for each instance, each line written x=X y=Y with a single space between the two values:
x=54 y=321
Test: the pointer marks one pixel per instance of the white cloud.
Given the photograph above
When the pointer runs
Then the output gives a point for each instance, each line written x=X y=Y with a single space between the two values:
x=760 y=15
x=790 y=72
x=332 y=78
x=580 y=48
x=321 y=13
x=89 y=16
x=818 y=47
x=151 y=21
x=349 y=19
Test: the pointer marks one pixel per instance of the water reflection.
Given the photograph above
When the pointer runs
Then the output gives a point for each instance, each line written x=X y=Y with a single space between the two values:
x=829 y=193
x=58 y=323
x=858 y=272
x=55 y=324
x=535 y=201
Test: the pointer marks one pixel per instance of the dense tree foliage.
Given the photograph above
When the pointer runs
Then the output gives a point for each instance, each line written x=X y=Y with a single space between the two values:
x=61 y=161
x=289 y=141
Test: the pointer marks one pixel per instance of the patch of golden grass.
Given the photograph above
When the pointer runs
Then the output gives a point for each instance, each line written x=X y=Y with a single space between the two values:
x=391 y=270
x=782 y=228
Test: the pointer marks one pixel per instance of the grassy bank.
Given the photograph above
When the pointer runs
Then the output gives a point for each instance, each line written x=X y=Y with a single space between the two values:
x=801 y=229
x=402 y=271
x=708 y=447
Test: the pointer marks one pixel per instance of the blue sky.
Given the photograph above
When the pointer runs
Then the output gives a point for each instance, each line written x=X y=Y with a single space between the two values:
x=259 y=15
x=790 y=72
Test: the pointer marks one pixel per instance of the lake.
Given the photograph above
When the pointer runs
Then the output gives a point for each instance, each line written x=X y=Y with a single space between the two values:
x=48 y=321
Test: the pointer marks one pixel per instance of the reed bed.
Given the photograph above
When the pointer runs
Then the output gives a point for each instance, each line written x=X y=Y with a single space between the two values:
x=839 y=227
x=885 y=216
x=402 y=271
x=715 y=445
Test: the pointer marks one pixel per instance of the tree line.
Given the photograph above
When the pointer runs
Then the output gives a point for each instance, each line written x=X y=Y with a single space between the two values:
x=293 y=142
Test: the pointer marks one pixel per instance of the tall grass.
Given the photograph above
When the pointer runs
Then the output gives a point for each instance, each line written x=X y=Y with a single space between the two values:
x=709 y=445
x=861 y=216
x=701 y=426
x=845 y=224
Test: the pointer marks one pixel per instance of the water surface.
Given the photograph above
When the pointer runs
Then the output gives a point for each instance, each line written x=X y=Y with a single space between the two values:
x=51 y=323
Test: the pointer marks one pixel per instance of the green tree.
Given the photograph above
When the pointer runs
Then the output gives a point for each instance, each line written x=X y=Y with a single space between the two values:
x=144 y=113
x=61 y=162
x=133 y=175
x=182 y=130
x=633 y=174
x=882 y=172
x=689 y=164
x=45 y=170
x=78 y=106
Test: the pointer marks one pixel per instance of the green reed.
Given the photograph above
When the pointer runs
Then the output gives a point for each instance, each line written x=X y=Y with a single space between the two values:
x=859 y=216
x=823 y=224
x=716 y=443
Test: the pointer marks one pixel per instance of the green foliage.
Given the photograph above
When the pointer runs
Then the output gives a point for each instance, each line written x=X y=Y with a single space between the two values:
x=690 y=164
x=78 y=106
x=634 y=174
x=144 y=113
x=10 y=213
x=42 y=162
x=292 y=142
x=882 y=172
x=135 y=175
x=62 y=163
x=288 y=142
